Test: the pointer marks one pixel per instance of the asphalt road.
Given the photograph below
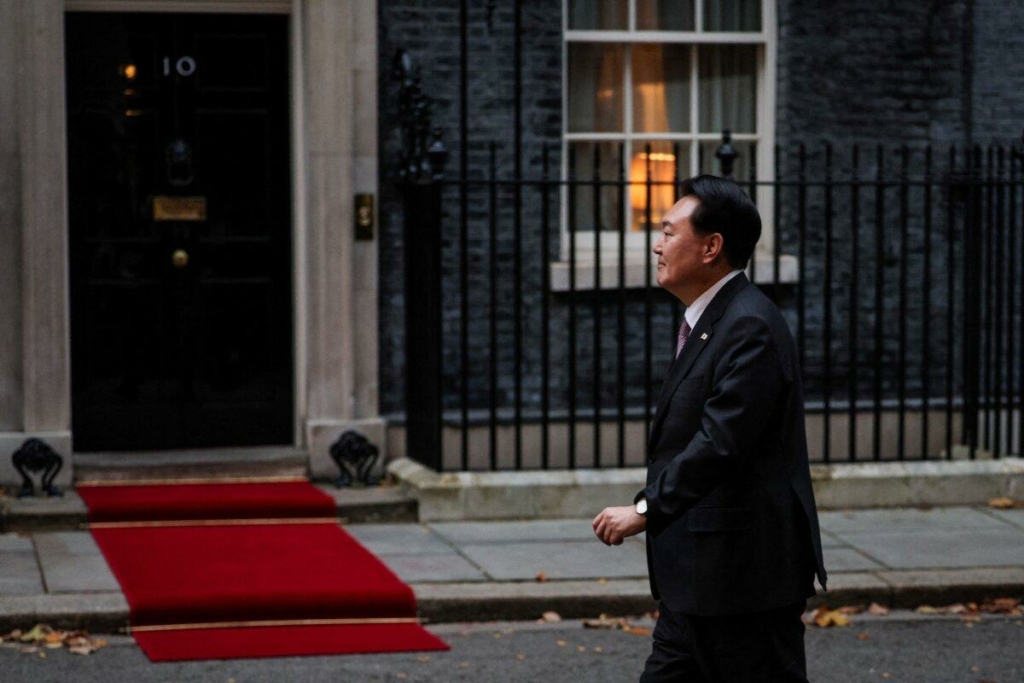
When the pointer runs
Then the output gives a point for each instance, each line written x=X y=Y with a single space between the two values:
x=898 y=647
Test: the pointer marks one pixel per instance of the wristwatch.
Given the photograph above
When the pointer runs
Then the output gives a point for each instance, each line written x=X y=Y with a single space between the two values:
x=641 y=507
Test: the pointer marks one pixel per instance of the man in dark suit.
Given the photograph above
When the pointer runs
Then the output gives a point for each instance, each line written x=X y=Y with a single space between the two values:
x=732 y=529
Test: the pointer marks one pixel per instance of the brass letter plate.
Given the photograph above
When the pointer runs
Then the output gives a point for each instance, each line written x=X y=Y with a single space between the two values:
x=179 y=208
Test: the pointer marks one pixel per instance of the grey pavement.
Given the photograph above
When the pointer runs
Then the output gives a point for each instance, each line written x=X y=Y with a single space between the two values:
x=509 y=570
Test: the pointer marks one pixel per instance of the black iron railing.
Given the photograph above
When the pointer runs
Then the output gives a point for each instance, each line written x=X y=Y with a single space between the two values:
x=900 y=272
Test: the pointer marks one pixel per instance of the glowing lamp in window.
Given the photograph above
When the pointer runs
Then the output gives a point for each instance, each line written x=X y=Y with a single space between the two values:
x=663 y=166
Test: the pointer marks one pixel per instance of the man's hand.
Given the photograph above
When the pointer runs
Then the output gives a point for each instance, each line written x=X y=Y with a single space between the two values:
x=614 y=525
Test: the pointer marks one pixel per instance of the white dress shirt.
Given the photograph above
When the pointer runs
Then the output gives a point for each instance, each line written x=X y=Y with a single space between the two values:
x=694 y=310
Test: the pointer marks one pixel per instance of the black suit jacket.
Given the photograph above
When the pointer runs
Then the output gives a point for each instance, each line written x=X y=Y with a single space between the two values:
x=731 y=524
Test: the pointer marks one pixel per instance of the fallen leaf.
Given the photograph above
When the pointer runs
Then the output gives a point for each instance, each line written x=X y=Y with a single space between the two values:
x=638 y=630
x=928 y=609
x=37 y=634
x=604 y=621
x=825 y=618
x=1000 y=503
x=602 y=580
x=580 y=648
x=561 y=643
x=1001 y=606
x=878 y=610
x=551 y=617
x=520 y=656
x=851 y=609
x=864 y=636
x=423 y=658
x=542 y=577
x=81 y=650
x=598 y=649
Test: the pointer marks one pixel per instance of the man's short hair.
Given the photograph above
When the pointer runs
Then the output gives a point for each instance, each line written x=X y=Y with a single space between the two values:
x=726 y=209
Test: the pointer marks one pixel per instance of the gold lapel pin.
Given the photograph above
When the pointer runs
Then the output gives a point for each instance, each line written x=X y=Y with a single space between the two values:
x=704 y=336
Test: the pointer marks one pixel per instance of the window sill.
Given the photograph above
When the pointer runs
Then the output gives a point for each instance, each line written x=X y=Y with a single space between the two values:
x=764 y=272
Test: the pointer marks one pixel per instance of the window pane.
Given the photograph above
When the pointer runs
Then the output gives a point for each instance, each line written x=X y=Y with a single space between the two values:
x=728 y=88
x=608 y=170
x=599 y=15
x=732 y=15
x=663 y=164
x=595 y=88
x=709 y=163
x=661 y=88
x=664 y=15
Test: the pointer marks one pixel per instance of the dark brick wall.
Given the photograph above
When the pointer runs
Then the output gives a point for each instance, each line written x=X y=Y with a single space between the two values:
x=913 y=72
x=998 y=74
x=889 y=72
x=429 y=30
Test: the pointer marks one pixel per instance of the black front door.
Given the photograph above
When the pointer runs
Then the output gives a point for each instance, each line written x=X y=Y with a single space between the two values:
x=181 y=316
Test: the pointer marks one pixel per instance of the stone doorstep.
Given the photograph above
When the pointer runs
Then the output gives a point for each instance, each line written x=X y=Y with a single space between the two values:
x=107 y=612
x=355 y=506
x=184 y=464
x=453 y=496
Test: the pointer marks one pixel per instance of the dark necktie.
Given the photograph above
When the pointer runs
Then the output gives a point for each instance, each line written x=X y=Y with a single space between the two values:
x=684 y=334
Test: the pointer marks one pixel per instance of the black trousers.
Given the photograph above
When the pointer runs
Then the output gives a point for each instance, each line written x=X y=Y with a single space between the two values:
x=762 y=647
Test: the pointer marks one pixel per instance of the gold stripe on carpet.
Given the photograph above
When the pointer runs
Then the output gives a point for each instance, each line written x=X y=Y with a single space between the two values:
x=280 y=622
x=173 y=482
x=211 y=522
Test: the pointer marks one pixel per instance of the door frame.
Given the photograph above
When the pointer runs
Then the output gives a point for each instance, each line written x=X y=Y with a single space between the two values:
x=295 y=123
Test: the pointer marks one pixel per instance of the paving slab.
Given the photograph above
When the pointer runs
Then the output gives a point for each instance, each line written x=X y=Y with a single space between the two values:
x=1014 y=517
x=97 y=612
x=494 y=601
x=949 y=586
x=942 y=549
x=44 y=512
x=849 y=581
x=853 y=588
x=847 y=560
x=830 y=541
x=988 y=576
x=398 y=539
x=559 y=560
x=505 y=532
x=11 y=543
x=19 y=570
x=72 y=563
x=434 y=568
x=373 y=504
x=905 y=519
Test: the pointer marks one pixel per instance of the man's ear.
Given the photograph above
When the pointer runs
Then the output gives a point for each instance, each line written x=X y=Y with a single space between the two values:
x=714 y=247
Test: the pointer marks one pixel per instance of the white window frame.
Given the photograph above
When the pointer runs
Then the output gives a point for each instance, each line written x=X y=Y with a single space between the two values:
x=764 y=137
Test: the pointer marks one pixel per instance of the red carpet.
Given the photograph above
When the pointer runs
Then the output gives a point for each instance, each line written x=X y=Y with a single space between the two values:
x=205 y=501
x=197 y=575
